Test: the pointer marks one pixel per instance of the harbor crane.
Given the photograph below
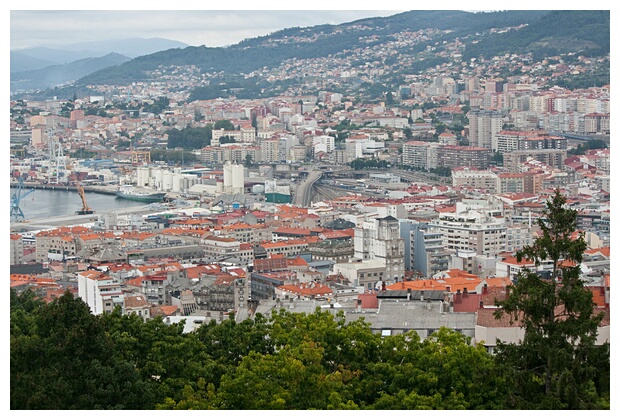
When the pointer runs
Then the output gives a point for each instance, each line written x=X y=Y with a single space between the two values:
x=17 y=215
x=85 y=208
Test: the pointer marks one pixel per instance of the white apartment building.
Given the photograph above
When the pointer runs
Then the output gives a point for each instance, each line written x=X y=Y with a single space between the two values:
x=328 y=143
x=421 y=154
x=517 y=236
x=474 y=226
x=100 y=291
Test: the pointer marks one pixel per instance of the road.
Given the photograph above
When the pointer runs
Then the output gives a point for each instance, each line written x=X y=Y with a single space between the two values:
x=304 y=190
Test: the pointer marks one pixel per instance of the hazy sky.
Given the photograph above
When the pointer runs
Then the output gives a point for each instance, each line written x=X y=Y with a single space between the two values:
x=71 y=21
x=213 y=28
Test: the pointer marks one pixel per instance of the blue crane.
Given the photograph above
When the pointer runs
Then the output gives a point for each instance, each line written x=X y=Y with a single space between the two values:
x=17 y=214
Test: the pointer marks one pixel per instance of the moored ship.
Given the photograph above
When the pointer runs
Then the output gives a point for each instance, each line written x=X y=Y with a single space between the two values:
x=136 y=194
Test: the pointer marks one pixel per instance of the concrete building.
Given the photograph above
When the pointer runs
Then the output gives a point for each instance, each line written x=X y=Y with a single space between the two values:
x=483 y=127
x=478 y=227
x=421 y=154
x=362 y=273
x=100 y=291
x=217 y=248
x=476 y=178
x=456 y=156
x=379 y=239
x=427 y=254
x=16 y=250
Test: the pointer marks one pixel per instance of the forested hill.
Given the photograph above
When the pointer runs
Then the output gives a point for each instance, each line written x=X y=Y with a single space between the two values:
x=482 y=34
x=311 y=42
x=555 y=33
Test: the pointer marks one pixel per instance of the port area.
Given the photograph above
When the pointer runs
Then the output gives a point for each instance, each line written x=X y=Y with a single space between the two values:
x=101 y=189
x=46 y=223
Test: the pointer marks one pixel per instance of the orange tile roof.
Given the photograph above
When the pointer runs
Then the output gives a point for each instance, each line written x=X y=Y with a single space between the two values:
x=513 y=261
x=458 y=283
x=292 y=231
x=90 y=237
x=498 y=281
x=606 y=251
x=136 y=281
x=307 y=289
x=297 y=261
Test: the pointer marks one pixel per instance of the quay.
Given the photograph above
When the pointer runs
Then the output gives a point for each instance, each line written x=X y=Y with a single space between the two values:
x=100 y=189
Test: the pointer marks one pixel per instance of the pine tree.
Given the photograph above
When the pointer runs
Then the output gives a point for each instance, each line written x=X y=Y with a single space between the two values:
x=557 y=365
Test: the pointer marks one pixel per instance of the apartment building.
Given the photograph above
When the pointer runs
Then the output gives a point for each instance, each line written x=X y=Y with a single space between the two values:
x=100 y=291
x=455 y=156
x=510 y=183
x=474 y=226
x=421 y=154
x=476 y=178
x=288 y=248
x=243 y=135
x=518 y=235
x=428 y=255
x=16 y=250
x=246 y=233
x=55 y=244
x=483 y=127
x=332 y=250
x=218 y=248
x=271 y=151
x=596 y=123
x=508 y=140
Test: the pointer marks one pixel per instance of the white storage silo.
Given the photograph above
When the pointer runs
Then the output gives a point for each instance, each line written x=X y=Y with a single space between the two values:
x=237 y=179
x=176 y=182
x=228 y=177
x=166 y=181
x=158 y=176
x=144 y=173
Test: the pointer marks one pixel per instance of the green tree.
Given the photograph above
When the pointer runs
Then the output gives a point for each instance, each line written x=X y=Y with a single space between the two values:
x=557 y=364
x=225 y=124
x=62 y=358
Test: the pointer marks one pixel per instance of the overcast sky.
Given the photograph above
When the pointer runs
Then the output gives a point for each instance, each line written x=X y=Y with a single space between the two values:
x=70 y=22
x=213 y=28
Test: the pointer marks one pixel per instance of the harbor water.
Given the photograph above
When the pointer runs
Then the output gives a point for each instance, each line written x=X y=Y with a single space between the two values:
x=53 y=203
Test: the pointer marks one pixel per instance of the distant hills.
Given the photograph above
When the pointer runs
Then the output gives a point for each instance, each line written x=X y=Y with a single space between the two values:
x=61 y=74
x=45 y=67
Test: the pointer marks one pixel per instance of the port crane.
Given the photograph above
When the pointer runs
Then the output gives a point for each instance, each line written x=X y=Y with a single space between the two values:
x=85 y=208
x=17 y=214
